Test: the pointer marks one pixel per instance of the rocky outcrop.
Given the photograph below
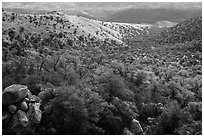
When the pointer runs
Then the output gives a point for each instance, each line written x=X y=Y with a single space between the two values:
x=21 y=110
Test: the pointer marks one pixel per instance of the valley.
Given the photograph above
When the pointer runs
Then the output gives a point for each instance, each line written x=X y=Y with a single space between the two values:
x=97 y=77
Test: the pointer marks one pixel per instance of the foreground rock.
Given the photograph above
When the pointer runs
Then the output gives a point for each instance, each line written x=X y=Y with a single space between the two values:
x=14 y=94
x=34 y=114
x=12 y=109
x=21 y=111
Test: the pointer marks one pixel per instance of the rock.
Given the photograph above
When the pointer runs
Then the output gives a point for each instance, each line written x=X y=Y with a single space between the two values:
x=26 y=123
x=46 y=95
x=14 y=93
x=19 y=123
x=29 y=94
x=26 y=100
x=34 y=99
x=12 y=109
x=20 y=118
x=22 y=122
x=34 y=114
x=24 y=106
x=136 y=127
x=5 y=118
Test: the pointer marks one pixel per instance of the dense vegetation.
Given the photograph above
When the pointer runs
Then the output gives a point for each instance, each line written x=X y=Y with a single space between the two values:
x=187 y=31
x=99 y=87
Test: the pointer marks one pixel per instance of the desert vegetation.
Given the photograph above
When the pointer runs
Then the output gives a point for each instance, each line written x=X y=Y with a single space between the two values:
x=98 y=83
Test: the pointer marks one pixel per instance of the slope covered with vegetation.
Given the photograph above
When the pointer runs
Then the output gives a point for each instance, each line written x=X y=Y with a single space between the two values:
x=187 y=31
x=99 y=85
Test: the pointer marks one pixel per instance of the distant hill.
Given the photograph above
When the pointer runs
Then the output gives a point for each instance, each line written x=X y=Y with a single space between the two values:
x=153 y=15
x=24 y=11
x=188 y=30
x=188 y=33
x=164 y=23
x=124 y=12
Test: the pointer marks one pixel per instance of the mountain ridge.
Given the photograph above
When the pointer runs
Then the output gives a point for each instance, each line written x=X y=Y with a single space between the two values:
x=111 y=10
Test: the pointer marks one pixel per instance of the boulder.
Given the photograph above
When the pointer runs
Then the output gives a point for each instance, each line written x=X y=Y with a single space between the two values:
x=22 y=118
x=12 y=109
x=18 y=124
x=19 y=120
x=46 y=95
x=136 y=127
x=29 y=94
x=14 y=93
x=34 y=114
x=34 y=99
x=26 y=123
x=24 y=106
x=26 y=100
x=28 y=114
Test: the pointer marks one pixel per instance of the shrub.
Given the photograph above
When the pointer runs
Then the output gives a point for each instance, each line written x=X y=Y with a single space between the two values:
x=114 y=86
x=196 y=86
x=195 y=108
x=139 y=78
x=170 y=119
x=194 y=128
x=69 y=113
x=31 y=81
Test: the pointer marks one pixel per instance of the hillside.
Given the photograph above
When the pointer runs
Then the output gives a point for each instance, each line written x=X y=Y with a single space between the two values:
x=74 y=26
x=188 y=30
x=70 y=75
